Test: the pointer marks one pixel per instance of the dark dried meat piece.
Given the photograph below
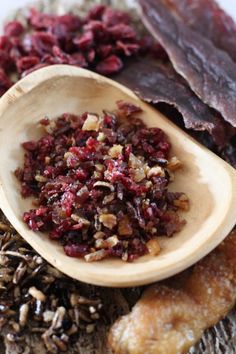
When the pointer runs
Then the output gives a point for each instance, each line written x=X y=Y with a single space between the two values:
x=207 y=18
x=209 y=71
x=229 y=153
x=157 y=82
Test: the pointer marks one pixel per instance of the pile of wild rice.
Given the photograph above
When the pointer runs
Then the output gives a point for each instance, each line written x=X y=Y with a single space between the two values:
x=42 y=310
x=36 y=297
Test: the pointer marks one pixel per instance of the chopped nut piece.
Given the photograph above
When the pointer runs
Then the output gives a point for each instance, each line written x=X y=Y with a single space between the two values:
x=67 y=155
x=40 y=178
x=182 y=202
x=99 y=167
x=97 y=175
x=99 y=235
x=108 y=198
x=115 y=151
x=174 y=164
x=108 y=220
x=124 y=227
x=100 y=243
x=135 y=162
x=96 y=256
x=148 y=184
x=91 y=123
x=101 y=137
x=171 y=176
x=138 y=174
x=79 y=219
x=153 y=247
x=156 y=171
x=37 y=294
x=112 y=241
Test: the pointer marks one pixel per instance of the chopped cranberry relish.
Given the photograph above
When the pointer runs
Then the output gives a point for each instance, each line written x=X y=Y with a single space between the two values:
x=101 y=184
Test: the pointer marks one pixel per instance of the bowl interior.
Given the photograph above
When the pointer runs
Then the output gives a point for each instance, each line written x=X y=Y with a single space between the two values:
x=201 y=179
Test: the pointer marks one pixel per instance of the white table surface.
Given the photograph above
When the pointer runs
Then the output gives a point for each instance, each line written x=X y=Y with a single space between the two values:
x=6 y=6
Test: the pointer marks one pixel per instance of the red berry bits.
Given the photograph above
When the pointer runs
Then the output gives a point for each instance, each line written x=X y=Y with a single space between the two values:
x=101 y=184
x=99 y=41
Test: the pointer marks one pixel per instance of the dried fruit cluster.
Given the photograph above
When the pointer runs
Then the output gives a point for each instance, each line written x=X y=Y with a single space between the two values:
x=99 y=41
x=101 y=184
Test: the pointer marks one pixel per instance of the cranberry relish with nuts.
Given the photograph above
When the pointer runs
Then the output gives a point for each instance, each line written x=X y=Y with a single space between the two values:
x=101 y=184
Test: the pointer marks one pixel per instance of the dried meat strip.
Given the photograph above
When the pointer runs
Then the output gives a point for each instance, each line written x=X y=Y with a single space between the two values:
x=171 y=316
x=209 y=71
x=156 y=82
x=207 y=18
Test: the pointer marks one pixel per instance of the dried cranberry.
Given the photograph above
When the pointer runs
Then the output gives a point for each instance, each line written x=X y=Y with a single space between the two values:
x=100 y=41
x=91 y=55
x=39 y=43
x=39 y=20
x=96 y=12
x=122 y=31
x=6 y=62
x=81 y=174
x=128 y=109
x=30 y=145
x=76 y=250
x=104 y=50
x=113 y=17
x=98 y=29
x=68 y=199
x=70 y=22
x=78 y=59
x=127 y=49
x=110 y=65
x=13 y=29
x=5 y=43
x=85 y=41
x=25 y=63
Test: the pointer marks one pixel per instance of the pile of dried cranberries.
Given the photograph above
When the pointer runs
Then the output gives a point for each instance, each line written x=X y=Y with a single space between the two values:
x=99 y=41
x=101 y=184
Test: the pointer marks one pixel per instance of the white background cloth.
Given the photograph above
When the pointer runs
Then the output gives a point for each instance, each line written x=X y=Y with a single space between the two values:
x=7 y=6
